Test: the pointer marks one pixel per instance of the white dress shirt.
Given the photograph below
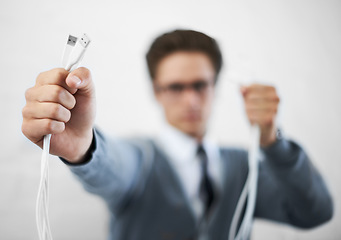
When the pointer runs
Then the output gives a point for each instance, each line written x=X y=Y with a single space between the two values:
x=181 y=150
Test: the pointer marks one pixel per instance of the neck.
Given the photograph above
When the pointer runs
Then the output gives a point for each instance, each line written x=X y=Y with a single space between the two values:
x=198 y=135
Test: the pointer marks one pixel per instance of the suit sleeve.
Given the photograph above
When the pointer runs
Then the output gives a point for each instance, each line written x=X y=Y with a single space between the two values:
x=113 y=171
x=290 y=189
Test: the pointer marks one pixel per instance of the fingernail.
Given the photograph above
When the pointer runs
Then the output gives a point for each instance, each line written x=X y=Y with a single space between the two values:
x=76 y=80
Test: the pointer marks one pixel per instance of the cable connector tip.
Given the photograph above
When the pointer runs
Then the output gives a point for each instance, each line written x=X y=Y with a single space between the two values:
x=71 y=40
x=84 y=40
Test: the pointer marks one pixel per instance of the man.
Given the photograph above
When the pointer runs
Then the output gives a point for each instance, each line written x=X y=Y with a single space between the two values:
x=165 y=188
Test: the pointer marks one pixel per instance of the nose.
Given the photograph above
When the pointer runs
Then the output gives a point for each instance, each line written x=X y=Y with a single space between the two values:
x=191 y=98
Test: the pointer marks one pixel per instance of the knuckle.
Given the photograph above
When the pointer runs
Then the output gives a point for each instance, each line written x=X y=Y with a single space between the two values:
x=60 y=113
x=53 y=126
x=56 y=73
x=40 y=77
x=49 y=125
x=58 y=94
x=59 y=73
x=28 y=93
x=25 y=111
x=24 y=128
x=85 y=71
x=56 y=111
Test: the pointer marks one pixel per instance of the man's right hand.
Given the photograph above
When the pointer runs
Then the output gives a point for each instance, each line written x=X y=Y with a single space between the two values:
x=61 y=104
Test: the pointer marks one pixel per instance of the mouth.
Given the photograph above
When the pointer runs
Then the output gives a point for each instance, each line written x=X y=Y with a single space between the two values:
x=192 y=117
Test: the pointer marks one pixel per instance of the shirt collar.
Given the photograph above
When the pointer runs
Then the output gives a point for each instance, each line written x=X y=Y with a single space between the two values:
x=179 y=146
x=181 y=149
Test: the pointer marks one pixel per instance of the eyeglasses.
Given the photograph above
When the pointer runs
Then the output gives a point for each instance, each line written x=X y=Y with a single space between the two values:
x=175 y=90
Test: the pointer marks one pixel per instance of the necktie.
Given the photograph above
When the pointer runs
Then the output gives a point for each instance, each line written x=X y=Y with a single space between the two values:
x=206 y=191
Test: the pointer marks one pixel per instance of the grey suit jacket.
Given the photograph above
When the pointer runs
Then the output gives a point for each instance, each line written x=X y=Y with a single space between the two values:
x=146 y=199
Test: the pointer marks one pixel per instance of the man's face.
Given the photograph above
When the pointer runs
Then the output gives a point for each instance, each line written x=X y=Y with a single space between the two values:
x=184 y=86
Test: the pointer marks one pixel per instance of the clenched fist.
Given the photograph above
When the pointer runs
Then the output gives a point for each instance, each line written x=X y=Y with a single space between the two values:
x=61 y=104
x=261 y=105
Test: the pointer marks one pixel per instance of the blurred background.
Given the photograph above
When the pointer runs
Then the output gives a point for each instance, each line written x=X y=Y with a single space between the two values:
x=293 y=45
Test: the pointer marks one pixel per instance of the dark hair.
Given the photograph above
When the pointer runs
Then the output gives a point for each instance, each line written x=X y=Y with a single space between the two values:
x=183 y=40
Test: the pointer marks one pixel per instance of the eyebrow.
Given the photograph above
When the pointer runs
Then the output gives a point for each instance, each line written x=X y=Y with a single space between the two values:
x=178 y=82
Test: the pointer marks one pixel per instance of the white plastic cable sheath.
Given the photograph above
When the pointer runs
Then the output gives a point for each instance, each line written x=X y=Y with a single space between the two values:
x=72 y=55
x=43 y=225
x=250 y=190
x=252 y=186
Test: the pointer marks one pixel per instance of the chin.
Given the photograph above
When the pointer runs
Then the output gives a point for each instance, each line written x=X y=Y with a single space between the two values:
x=194 y=129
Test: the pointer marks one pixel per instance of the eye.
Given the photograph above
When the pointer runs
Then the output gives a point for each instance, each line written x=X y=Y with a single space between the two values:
x=200 y=86
x=176 y=88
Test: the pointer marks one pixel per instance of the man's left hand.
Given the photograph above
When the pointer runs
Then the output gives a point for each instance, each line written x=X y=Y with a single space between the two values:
x=261 y=105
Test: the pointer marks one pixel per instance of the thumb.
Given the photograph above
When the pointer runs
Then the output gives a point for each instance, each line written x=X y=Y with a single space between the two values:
x=81 y=80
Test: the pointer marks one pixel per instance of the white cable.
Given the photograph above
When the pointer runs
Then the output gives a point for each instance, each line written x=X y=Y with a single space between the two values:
x=73 y=54
x=77 y=53
x=250 y=190
x=245 y=227
x=43 y=225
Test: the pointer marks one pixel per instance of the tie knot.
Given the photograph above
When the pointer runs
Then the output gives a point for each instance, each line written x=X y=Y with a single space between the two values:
x=201 y=150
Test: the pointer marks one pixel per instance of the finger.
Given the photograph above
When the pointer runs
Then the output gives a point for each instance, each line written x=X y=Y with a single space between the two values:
x=55 y=76
x=51 y=93
x=262 y=105
x=261 y=117
x=261 y=112
x=261 y=121
x=48 y=110
x=81 y=79
x=264 y=96
x=36 y=129
x=260 y=87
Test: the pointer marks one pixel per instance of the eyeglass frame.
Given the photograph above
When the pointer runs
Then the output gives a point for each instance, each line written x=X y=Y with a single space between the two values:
x=200 y=87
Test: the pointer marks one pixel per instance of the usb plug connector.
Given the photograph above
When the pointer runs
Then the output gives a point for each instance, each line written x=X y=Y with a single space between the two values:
x=84 y=40
x=77 y=52
x=70 y=43
x=71 y=40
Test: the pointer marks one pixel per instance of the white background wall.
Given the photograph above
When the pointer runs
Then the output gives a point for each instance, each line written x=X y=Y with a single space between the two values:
x=294 y=45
